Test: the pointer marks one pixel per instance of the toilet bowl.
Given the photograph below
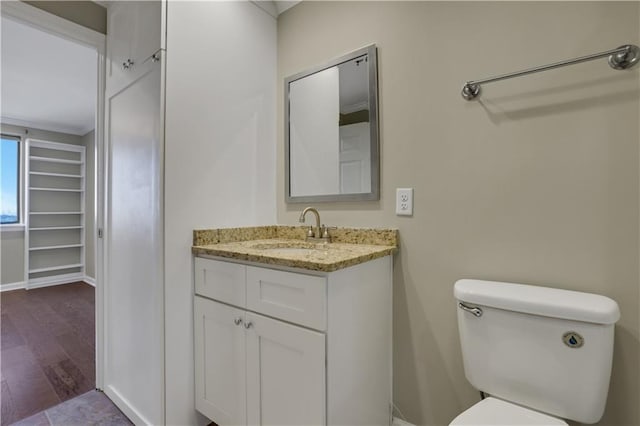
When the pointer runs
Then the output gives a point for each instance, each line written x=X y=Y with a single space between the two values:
x=543 y=354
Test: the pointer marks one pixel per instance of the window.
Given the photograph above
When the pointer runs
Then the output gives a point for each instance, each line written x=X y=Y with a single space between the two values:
x=10 y=180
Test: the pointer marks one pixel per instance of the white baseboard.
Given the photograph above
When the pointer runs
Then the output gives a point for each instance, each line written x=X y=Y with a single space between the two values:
x=12 y=286
x=125 y=407
x=55 y=280
x=400 y=422
x=48 y=282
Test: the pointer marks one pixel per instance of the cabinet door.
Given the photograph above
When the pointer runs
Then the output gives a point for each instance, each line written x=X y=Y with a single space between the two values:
x=133 y=35
x=148 y=24
x=120 y=33
x=220 y=362
x=285 y=373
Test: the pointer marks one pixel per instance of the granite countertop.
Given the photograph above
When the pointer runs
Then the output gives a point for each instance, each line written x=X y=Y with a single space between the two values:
x=286 y=246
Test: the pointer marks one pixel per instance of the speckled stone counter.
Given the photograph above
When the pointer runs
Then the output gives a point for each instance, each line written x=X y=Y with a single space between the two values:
x=286 y=246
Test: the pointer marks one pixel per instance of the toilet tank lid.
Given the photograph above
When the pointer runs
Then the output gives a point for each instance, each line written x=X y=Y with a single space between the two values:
x=536 y=300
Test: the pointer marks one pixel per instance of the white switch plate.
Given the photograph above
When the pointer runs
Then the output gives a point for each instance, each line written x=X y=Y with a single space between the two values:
x=404 y=201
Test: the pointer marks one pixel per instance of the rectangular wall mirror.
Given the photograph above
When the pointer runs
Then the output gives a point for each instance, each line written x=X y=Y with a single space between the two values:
x=331 y=131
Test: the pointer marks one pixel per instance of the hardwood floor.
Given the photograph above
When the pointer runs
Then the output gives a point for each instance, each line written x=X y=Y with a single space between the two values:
x=47 y=348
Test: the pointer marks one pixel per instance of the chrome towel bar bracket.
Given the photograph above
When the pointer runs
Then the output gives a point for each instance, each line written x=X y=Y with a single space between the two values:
x=621 y=58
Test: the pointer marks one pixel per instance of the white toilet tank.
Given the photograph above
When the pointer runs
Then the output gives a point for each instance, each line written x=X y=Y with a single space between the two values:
x=543 y=348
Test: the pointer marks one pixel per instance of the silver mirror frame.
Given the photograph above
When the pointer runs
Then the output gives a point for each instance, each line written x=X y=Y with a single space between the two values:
x=373 y=130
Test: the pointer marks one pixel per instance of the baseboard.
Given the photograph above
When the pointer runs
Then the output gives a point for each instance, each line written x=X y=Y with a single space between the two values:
x=12 y=286
x=125 y=407
x=55 y=280
x=48 y=282
x=399 y=422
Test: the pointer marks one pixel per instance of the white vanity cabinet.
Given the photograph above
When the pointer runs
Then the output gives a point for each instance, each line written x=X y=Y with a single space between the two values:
x=257 y=370
x=293 y=347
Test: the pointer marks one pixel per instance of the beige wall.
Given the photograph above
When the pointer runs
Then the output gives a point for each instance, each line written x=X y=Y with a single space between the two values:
x=11 y=257
x=12 y=242
x=86 y=13
x=538 y=182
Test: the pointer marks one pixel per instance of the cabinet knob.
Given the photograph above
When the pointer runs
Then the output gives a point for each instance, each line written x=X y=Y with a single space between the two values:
x=237 y=321
x=248 y=325
x=127 y=64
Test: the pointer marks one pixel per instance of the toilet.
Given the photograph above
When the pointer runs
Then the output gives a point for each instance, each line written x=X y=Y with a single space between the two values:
x=541 y=354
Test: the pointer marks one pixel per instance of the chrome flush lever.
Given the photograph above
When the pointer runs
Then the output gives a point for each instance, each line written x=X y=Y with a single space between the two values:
x=471 y=309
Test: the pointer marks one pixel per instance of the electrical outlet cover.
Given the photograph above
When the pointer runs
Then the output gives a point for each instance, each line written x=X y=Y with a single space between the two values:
x=404 y=201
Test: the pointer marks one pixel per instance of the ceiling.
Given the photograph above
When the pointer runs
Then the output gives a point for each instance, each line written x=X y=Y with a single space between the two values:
x=48 y=82
x=281 y=6
x=274 y=8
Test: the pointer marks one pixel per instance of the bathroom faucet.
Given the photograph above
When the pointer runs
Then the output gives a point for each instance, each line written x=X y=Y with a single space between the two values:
x=320 y=233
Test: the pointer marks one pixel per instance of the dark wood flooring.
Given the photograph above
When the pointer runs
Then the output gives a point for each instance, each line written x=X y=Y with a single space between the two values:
x=47 y=347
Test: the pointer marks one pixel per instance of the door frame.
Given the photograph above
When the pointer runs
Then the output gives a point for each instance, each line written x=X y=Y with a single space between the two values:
x=37 y=18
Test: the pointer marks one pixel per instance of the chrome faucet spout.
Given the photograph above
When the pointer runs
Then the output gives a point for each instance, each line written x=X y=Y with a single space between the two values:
x=317 y=233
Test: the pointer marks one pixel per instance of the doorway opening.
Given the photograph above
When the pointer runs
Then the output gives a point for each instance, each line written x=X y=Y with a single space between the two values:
x=52 y=108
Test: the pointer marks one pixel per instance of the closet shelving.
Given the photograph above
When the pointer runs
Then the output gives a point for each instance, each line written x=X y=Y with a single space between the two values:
x=54 y=241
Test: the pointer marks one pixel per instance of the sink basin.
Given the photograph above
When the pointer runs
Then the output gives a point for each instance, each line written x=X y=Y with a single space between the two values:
x=282 y=244
x=288 y=250
x=288 y=247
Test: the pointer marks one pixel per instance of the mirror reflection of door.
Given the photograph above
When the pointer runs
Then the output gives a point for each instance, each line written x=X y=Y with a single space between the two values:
x=355 y=155
x=355 y=158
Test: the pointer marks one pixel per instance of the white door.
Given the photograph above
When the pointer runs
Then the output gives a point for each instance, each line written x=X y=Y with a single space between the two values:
x=285 y=373
x=220 y=361
x=134 y=287
x=355 y=159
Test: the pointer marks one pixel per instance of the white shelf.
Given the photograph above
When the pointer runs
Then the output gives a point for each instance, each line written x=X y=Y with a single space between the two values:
x=55 y=160
x=46 y=186
x=55 y=189
x=55 y=268
x=63 y=175
x=56 y=247
x=47 y=213
x=54 y=228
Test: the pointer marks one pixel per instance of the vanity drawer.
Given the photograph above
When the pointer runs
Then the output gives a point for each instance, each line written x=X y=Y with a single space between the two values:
x=297 y=298
x=223 y=281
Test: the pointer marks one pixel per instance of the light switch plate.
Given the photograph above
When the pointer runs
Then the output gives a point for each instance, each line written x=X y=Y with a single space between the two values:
x=404 y=201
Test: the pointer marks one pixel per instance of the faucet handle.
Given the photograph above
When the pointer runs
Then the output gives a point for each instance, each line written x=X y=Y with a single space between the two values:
x=310 y=232
x=325 y=231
